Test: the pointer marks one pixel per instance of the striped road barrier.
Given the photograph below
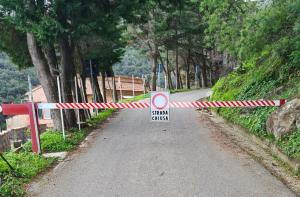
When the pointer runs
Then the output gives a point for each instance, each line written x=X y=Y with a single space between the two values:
x=144 y=104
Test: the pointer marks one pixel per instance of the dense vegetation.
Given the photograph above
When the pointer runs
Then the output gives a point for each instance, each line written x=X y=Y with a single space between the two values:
x=134 y=62
x=14 y=82
x=266 y=45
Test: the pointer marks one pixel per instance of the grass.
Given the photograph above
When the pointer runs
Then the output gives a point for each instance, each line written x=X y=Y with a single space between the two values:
x=290 y=145
x=52 y=141
x=27 y=165
x=103 y=115
x=137 y=98
x=181 y=90
x=268 y=80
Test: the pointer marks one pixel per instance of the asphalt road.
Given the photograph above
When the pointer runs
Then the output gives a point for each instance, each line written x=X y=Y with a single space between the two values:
x=133 y=157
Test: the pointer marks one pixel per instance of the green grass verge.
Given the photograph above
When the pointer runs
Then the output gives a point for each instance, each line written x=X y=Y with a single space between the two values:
x=103 y=115
x=27 y=165
x=137 y=98
x=181 y=90
x=52 y=141
x=290 y=145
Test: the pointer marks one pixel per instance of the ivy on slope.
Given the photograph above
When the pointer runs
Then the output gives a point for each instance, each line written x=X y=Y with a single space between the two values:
x=264 y=78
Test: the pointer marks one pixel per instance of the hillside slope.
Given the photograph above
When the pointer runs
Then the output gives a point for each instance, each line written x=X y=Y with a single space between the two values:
x=269 y=56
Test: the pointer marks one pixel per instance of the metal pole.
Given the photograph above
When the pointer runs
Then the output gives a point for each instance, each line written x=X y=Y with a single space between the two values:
x=159 y=77
x=61 y=111
x=133 y=86
x=34 y=116
x=76 y=96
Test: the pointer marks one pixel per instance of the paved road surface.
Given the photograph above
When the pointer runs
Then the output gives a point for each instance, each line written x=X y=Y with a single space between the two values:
x=133 y=157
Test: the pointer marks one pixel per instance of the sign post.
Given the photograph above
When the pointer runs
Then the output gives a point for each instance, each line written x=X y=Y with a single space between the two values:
x=160 y=106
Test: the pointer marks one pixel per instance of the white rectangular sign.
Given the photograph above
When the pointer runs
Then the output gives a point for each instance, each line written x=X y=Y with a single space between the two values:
x=160 y=106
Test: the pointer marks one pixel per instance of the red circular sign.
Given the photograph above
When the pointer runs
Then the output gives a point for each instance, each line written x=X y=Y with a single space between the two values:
x=165 y=101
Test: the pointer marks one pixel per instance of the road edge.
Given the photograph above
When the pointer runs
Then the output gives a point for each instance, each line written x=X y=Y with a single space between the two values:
x=264 y=153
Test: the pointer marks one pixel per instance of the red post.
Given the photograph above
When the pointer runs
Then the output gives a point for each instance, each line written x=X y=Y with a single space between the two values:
x=282 y=102
x=21 y=109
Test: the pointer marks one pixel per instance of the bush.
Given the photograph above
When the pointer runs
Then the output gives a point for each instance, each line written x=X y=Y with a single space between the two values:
x=52 y=141
x=26 y=165
x=103 y=115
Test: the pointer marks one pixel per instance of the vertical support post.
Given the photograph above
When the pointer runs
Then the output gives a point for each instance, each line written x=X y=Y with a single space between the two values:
x=159 y=85
x=186 y=80
x=92 y=82
x=133 y=86
x=35 y=136
x=144 y=88
x=61 y=111
x=120 y=87
x=166 y=82
x=82 y=91
x=196 y=76
x=176 y=81
x=114 y=90
x=76 y=97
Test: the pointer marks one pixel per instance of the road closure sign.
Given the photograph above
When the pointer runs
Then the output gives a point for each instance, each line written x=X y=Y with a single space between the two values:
x=160 y=106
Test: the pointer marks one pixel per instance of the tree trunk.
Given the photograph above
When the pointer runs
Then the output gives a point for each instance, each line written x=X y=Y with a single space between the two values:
x=67 y=74
x=115 y=92
x=170 y=85
x=154 y=56
x=180 y=82
x=97 y=90
x=188 y=70
x=103 y=86
x=204 y=73
x=47 y=81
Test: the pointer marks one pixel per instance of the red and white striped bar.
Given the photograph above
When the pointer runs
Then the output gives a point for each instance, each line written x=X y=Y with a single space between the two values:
x=142 y=105
x=216 y=104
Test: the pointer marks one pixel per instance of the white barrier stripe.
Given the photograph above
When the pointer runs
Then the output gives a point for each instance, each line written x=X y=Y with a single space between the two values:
x=201 y=104
x=263 y=103
x=180 y=105
x=240 y=103
x=73 y=105
x=271 y=103
x=114 y=105
x=135 y=105
x=221 y=104
x=64 y=105
x=119 y=106
x=194 y=105
x=176 y=105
